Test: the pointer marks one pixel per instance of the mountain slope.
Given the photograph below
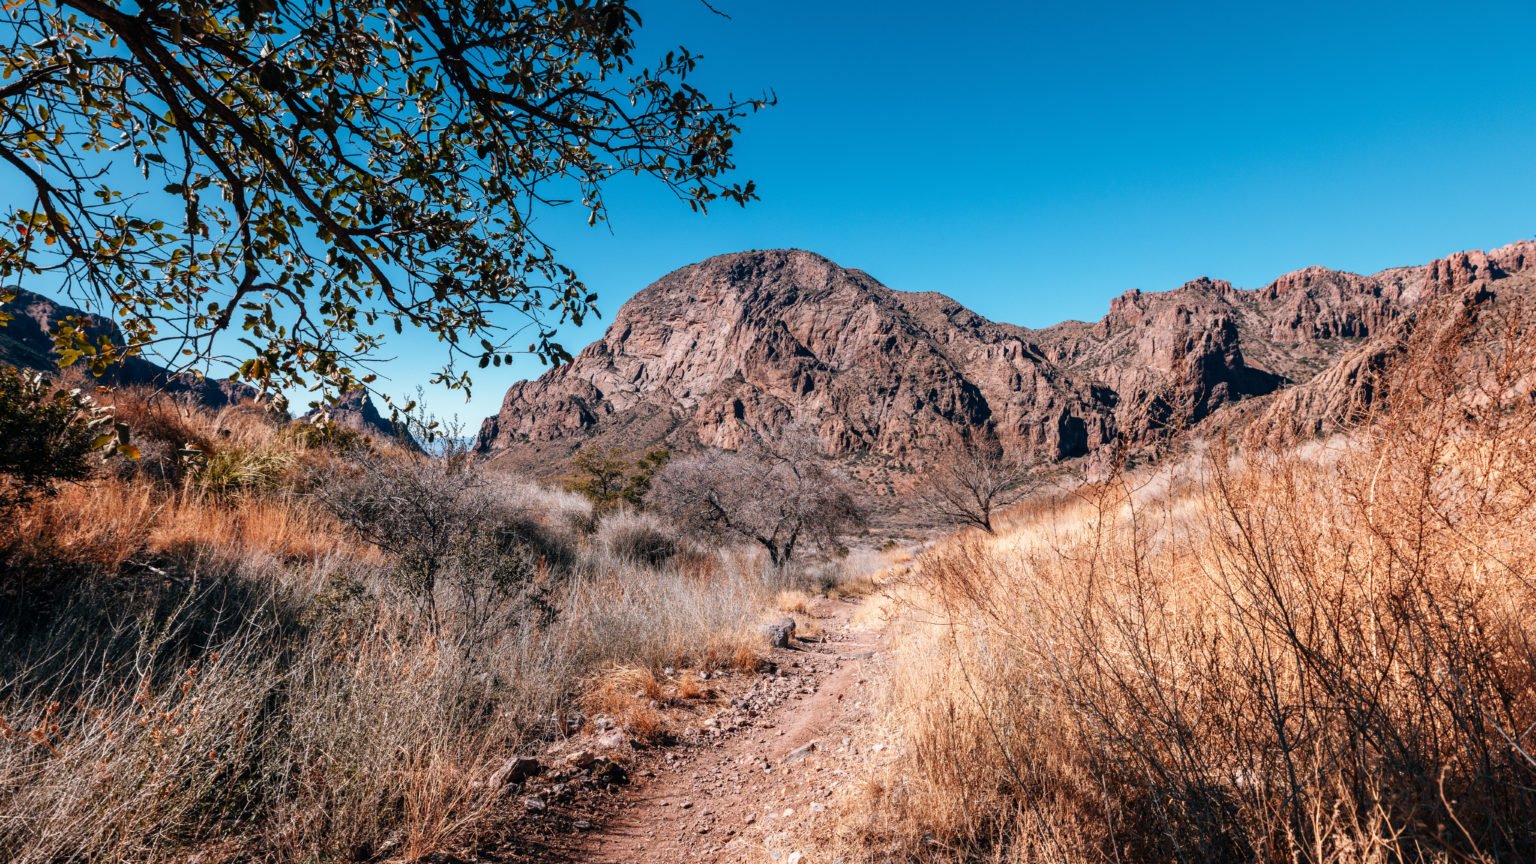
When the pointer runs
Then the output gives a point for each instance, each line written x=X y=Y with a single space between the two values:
x=749 y=343
x=26 y=342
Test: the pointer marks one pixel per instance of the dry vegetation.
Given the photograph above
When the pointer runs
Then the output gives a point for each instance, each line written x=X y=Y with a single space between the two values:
x=1318 y=654
x=214 y=648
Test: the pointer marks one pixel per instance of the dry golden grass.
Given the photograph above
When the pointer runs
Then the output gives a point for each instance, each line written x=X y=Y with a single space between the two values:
x=630 y=696
x=793 y=601
x=202 y=665
x=691 y=686
x=1320 y=655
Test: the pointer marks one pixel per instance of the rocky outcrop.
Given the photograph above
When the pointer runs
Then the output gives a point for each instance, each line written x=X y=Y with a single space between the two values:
x=356 y=411
x=747 y=344
x=26 y=342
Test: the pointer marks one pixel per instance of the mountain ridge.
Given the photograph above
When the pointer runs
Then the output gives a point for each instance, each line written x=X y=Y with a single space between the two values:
x=747 y=343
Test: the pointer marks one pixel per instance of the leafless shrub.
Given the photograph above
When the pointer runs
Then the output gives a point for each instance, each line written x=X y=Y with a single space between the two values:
x=453 y=542
x=779 y=495
x=974 y=482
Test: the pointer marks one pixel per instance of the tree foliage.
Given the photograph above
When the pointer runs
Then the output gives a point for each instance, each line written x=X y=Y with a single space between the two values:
x=309 y=175
x=608 y=476
x=779 y=495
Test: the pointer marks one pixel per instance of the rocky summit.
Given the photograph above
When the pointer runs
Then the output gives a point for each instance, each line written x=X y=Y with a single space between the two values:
x=750 y=343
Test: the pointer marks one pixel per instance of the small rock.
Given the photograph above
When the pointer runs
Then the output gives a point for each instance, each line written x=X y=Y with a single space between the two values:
x=581 y=825
x=751 y=818
x=534 y=804
x=794 y=858
x=686 y=805
x=515 y=770
x=817 y=807
x=612 y=772
x=800 y=752
x=613 y=739
x=780 y=632
x=581 y=759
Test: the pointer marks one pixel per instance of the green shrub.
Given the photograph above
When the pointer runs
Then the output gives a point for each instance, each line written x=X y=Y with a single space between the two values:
x=230 y=472
x=47 y=436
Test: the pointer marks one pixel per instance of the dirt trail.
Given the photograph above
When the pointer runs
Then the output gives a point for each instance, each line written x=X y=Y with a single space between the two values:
x=732 y=797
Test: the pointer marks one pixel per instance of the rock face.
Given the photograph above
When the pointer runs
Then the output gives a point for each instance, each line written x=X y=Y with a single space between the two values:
x=26 y=342
x=749 y=343
x=356 y=411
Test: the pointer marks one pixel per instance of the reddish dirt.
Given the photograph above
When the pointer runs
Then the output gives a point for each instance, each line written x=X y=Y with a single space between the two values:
x=747 y=769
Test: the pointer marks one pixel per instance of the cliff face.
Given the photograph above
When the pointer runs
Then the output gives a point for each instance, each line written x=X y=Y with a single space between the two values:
x=749 y=343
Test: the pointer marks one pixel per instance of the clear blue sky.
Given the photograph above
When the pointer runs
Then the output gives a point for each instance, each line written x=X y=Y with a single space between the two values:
x=1034 y=160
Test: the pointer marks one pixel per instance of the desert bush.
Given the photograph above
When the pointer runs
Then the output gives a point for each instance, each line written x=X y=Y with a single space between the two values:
x=611 y=477
x=639 y=538
x=1319 y=655
x=235 y=470
x=47 y=436
x=324 y=434
x=451 y=541
x=780 y=495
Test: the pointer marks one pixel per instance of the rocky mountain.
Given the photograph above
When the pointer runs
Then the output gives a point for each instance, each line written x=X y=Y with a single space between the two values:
x=749 y=343
x=356 y=411
x=25 y=342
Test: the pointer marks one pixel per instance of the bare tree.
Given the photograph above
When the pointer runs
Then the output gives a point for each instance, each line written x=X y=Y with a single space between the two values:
x=974 y=482
x=780 y=495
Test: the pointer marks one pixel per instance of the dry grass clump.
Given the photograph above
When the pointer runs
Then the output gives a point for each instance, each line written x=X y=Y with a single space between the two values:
x=212 y=656
x=630 y=696
x=1322 y=657
x=793 y=600
x=635 y=537
x=699 y=613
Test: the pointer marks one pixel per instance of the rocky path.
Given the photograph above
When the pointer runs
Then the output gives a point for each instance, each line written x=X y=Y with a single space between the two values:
x=774 y=755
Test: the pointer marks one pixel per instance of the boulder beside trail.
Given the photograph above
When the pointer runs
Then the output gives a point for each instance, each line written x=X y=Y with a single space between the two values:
x=780 y=632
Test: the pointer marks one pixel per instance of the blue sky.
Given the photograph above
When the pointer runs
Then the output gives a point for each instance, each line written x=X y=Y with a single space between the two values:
x=1033 y=161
